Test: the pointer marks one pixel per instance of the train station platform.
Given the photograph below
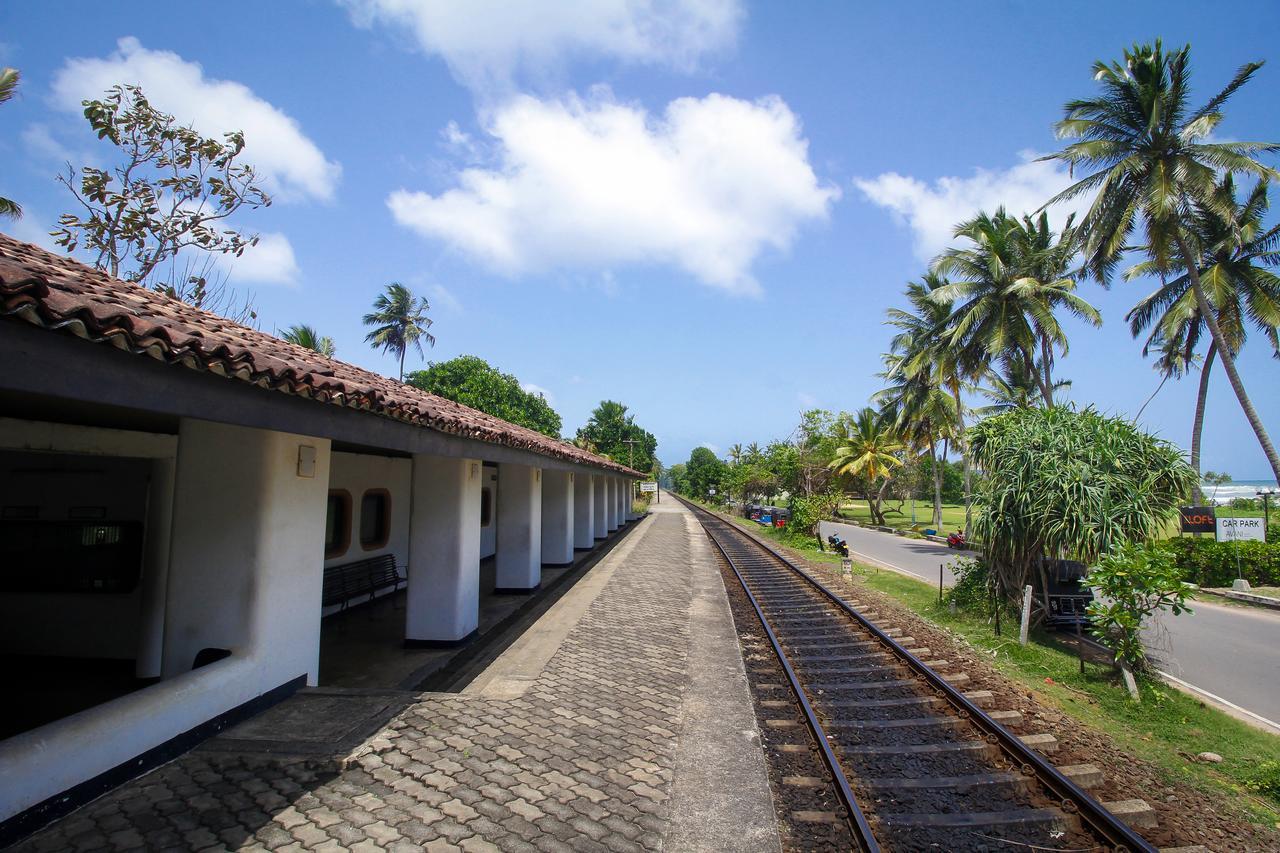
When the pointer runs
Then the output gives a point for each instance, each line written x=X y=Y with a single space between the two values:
x=620 y=720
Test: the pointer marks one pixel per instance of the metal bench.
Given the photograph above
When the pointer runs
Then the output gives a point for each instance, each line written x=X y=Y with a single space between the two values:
x=350 y=581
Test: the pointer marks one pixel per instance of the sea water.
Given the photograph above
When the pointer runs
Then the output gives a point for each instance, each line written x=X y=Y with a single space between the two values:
x=1239 y=489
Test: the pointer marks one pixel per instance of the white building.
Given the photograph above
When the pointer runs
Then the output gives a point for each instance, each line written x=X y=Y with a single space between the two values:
x=179 y=495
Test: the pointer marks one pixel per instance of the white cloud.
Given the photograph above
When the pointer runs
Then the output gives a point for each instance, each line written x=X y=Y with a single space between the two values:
x=41 y=143
x=291 y=165
x=709 y=446
x=442 y=297
x=591 y=184
x=269 y=262
x=487 y=42
x=530 y=388
x=932 y=212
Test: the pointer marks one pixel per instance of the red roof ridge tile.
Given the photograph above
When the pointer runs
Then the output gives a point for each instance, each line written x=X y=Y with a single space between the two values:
x=63 y=294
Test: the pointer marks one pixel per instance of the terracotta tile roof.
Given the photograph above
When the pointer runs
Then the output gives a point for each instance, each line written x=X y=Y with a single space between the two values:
x=62 y=294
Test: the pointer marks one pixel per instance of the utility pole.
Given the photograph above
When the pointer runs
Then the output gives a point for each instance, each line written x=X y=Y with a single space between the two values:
x=1266 y=495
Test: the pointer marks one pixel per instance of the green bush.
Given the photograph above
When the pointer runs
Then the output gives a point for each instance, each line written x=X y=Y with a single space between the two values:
x=1208 y=563
x=1131 y=583
x=1265 y=780
x=972 y=590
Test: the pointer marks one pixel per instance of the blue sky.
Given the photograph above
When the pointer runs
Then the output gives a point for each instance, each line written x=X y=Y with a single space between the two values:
x=701 y=209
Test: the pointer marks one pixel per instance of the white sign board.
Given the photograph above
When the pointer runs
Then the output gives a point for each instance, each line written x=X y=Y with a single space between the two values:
x=648 y=487
x=1240 y=529
x=711 y=491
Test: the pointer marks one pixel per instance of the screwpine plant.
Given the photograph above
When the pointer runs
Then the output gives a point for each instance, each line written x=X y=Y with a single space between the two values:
x=1075 y=485
x=1131 y=583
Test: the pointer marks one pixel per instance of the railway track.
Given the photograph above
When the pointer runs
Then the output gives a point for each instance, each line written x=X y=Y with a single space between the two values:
x=914 y=763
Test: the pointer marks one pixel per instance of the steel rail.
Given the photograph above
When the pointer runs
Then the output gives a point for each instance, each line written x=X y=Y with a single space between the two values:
x=1072 y=798
x=858 y=824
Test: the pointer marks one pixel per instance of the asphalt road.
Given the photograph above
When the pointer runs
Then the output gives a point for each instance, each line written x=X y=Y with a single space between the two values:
x=1230 y=651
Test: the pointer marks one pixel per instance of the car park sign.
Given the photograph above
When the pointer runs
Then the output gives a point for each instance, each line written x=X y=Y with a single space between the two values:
x=1240 y=529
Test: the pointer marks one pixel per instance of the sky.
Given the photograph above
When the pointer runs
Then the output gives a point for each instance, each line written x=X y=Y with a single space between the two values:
x=701 y=209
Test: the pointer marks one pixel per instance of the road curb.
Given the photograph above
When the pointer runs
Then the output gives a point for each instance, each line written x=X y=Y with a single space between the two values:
x=1259 y=600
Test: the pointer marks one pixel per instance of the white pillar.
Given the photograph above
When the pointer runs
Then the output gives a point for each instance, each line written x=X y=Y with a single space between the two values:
x=600 y=499
x=624 y=501
x=611 y=504
x=583 y=513
x=247 y=548
x=155 y=570
x=557 y=517
x=519 y=558
x=443 y=598
x=629 y=506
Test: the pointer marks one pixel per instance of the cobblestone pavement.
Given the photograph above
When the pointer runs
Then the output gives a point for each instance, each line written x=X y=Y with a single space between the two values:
x=582 y=761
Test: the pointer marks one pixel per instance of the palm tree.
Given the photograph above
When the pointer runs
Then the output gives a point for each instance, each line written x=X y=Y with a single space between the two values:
x=1150 y=161
x=1005 y=289
x=735 y=453
x=867 y=447
x=306 y=336
x=8 y=85
x=924 y=415
x=922 y=362
x=1010 y=387
x=1237 y=250
x=400 y=321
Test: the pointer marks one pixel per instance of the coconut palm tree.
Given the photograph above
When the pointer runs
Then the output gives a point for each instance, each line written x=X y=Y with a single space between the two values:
x=1004 y=290
x=8 y=85
x=735 y=453
x=1233 y=268
x=921 y=353
x=306 y=336
x=1148 y=160
x=400 y=321
x=1008 y=386
x=923 y=413
x=867 y=446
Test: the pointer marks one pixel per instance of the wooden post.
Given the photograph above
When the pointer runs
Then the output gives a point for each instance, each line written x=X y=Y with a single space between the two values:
x=1026 y=614
x=939 y=583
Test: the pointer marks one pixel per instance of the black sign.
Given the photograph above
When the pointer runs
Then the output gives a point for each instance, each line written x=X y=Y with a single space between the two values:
x=1198 y=519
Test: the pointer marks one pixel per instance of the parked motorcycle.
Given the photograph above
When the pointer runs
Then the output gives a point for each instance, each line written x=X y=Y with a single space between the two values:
x=838 y=545
x=957 y=540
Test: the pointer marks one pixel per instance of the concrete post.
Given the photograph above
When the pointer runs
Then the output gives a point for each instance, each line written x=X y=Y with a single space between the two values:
x=557 y=517
x=611 y=504
x=442 y=603
x=246 y=549
x=583 y=513
x=624 y=500
x=519 y=558
x=155 y=570
x=600 y=500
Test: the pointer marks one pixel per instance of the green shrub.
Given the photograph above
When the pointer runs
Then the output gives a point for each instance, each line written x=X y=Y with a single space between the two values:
x=1131 y=582
x=972 y=590
x=1205 y=562
x=1265 y=780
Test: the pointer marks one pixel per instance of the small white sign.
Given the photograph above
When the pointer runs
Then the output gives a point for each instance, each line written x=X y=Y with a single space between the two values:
x=711 y=491
x=648 y=487
x=1240 y=529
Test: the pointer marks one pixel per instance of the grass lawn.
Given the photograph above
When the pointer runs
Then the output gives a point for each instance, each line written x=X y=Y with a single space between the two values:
x=952 y=514
x=1165 y=724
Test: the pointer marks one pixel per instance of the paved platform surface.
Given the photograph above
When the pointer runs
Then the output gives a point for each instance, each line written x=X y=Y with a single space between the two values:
x=623 y=723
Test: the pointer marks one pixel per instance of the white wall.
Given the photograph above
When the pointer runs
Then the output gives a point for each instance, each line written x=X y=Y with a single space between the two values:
x=489 y=532
x=248 y=545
